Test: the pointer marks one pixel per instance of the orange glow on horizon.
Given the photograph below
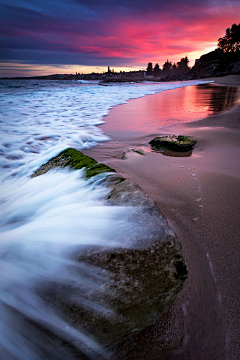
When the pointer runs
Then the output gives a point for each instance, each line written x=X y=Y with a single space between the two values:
x=15 y=69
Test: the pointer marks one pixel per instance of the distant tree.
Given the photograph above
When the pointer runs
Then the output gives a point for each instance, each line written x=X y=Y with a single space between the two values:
x=156 y=70
x=167 y=66
x=182 y=65
x=174 y=69
x=149 y=69
x=231 y=41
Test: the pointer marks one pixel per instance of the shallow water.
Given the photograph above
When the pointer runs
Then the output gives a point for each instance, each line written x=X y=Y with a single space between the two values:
x=38 y=121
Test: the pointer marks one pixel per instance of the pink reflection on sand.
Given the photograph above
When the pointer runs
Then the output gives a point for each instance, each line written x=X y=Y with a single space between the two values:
x=154 y=113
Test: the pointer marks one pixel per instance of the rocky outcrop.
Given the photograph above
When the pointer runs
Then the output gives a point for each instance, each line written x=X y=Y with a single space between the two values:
x=234 y=68
x=216 y=63
x=178 y=143
x=128 y=287
x=141 y=286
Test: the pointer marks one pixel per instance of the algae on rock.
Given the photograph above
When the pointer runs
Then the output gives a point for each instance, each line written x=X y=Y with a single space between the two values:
x=172 y=142
x=75 y=160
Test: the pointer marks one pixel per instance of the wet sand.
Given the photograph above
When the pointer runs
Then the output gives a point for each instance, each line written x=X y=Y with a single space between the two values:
x=199 y=194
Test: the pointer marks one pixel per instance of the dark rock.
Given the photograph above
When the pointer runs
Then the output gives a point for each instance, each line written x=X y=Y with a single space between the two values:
x=220 y=74
x=209 y=70
x=234 y=68
x=216 y=63
x=172 y=142
x=138 y=151
x=128 y=287
x=141 y=285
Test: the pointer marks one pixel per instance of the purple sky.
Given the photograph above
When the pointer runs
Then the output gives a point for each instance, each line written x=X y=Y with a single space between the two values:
x=63 y=36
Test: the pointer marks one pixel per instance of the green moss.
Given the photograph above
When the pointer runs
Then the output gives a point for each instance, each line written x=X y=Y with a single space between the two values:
x=97 y=169
x=75 y=160
x=120 y=179
x=182 y=138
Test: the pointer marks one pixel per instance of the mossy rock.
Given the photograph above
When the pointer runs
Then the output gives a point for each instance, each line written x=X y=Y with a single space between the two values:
x=178 y=143
x=75 y=160
x=128 y=288
x=133 y=285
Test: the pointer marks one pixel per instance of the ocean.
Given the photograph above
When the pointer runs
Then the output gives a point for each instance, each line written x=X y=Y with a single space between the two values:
x=44 y=219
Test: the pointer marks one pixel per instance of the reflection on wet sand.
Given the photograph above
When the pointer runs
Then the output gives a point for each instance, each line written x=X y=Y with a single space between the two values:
x=202 y=100
x=189 y=103
x=153 y=114
x=222 y=98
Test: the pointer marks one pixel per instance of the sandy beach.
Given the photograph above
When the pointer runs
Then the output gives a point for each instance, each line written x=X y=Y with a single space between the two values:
x=199 y=194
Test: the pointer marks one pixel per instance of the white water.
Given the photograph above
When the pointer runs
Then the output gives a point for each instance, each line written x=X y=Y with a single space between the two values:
x=44 y=220
x=38 y=121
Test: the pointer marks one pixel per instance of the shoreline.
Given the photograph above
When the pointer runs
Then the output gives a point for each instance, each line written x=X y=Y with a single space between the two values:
x=199 y=204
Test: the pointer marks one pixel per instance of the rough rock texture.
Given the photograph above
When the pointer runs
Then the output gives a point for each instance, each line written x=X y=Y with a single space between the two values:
x=140 y=285
x=175 y=143
x=128 y=288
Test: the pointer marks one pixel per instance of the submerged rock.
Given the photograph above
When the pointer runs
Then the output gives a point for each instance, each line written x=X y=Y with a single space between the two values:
x=172 y=142
x=137 y=151
x=128 y=287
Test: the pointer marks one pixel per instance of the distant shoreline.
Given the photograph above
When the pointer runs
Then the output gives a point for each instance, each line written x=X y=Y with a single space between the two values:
x=230 y=80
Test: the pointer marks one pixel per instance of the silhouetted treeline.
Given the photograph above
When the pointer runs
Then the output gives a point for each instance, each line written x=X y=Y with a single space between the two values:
x=168 y=68
x=224 y=60
x=231 y=41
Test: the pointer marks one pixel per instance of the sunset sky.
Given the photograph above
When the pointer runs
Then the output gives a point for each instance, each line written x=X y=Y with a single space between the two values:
x=39 y=37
